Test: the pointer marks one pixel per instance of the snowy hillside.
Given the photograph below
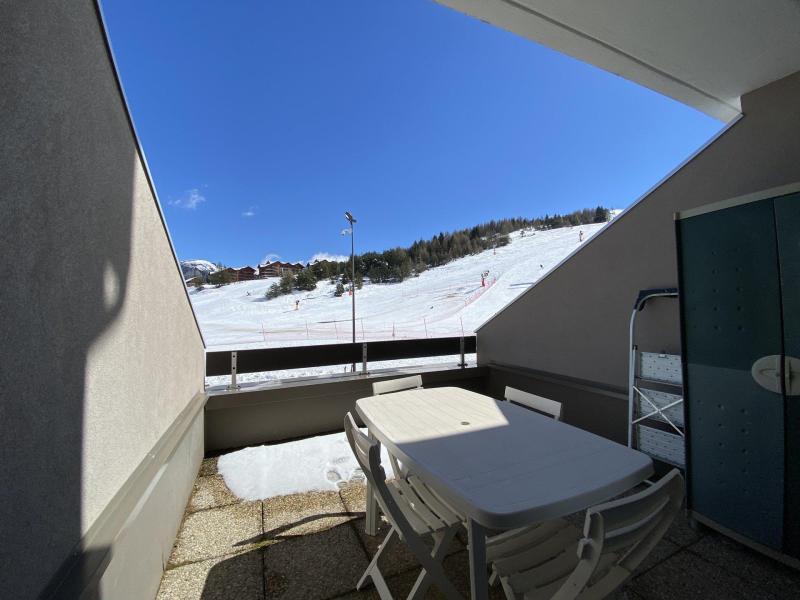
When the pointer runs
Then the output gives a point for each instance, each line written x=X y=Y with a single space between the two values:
x=440 y=302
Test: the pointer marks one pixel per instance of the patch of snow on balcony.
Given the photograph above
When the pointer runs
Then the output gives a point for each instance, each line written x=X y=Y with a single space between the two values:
x=321 y=463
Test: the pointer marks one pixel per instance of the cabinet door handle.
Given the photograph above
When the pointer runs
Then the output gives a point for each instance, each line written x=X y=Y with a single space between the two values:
x=791 y=371
x=767 y=372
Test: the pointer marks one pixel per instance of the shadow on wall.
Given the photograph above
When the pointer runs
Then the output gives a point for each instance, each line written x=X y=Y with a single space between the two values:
x=66 y=159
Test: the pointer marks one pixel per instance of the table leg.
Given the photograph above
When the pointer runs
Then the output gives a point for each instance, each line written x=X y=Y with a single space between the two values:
x=371 y=526
x=479 y=582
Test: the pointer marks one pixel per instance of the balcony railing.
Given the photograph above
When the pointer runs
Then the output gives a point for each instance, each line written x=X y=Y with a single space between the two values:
x=298 y=357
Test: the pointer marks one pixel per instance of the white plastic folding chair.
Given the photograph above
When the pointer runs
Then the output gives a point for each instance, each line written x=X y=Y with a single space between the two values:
x=537 y=403
x=553 y=560
x=396 y=385
x=413 y=512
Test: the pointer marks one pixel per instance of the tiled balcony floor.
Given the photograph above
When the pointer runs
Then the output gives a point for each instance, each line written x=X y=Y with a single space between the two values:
x=313 y=546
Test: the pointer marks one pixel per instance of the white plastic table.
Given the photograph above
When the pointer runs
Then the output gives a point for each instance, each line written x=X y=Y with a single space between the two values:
x=500 y=465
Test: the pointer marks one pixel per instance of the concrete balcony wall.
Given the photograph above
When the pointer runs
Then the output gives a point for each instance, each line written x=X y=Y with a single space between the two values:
x=290 y=409
x=574 y=322
x=101 y=352
x=599 y=409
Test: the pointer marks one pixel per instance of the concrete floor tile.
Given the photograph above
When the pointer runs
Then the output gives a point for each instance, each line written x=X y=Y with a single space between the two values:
x=663 y=550
x=368 y=593
x=682 y=533
x=217 y=532
x=228 y=549
x=211 y=492
x=208 y=467
x=239 y=576
x=759 y=570
x=456 y=567
x=686 y=576
x=354 y=497
x=397 y=558
x=625 y=594
x=314 y=566
x=301 y=514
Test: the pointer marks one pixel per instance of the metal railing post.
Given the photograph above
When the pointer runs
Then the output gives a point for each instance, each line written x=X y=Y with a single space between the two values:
x=463 y=362
x=233 y=385
x=364 y=358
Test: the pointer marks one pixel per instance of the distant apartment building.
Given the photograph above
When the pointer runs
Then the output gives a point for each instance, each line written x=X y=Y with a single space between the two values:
x=245 y=273
x=269 y=269
x=278 y=268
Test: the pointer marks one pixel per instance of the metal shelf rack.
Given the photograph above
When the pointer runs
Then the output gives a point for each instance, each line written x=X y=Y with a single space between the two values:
x=655 y=395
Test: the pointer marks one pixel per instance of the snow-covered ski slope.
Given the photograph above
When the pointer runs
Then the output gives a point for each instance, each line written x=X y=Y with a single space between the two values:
x=440 y=302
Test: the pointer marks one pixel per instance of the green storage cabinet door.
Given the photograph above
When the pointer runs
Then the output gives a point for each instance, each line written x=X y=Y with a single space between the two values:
x=787 y=218
x=730 y=297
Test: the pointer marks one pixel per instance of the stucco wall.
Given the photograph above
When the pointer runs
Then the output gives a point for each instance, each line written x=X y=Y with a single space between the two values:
x=100 y=349
x=575 y=321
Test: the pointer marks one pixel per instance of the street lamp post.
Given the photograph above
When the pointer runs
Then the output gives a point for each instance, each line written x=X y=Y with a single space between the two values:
x=351 y=220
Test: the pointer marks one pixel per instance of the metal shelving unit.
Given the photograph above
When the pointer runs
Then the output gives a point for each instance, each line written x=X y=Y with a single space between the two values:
x=655 y=395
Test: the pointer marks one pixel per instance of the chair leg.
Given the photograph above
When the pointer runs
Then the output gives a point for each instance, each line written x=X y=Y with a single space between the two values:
x=442 y=541
x=511 y=594
x=372 y=570
x=439 y=578
x=380 y=586
x=373 y=511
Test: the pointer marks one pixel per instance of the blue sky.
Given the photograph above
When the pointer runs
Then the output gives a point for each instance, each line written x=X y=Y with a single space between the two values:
x=263 y=121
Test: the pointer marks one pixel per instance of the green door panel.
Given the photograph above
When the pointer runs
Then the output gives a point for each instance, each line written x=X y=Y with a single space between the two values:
x=730 y=295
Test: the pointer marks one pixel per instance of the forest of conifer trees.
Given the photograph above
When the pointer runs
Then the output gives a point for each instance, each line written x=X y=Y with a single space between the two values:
x=396 y=264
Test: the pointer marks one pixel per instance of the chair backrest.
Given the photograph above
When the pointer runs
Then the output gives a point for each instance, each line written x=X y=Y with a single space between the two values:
x=618 y=536
x=396 y=385
x=363 y=449
x=368 y=455
x=545 y=405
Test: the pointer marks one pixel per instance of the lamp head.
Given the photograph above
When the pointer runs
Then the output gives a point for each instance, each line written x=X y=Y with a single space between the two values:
x=349 y=217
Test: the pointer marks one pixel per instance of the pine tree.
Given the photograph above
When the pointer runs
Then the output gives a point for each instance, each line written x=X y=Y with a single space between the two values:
x=274 y=291
x=287 y=283
x=305 y=280
x=221 y=277
x=601 y=214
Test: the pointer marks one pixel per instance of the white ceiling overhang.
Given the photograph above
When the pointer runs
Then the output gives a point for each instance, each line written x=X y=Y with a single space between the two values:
x=704 y=53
